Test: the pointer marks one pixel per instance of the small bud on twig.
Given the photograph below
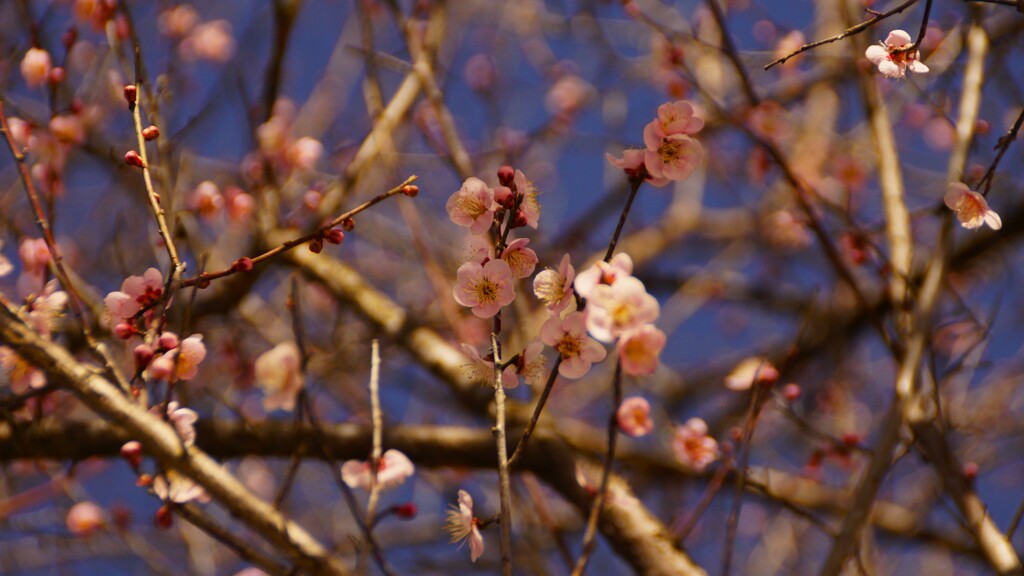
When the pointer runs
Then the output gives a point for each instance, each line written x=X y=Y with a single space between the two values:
x=132 y=158
x=151 y=133
x=410 y=190
x=243 y=264
x=348 y=224
x=334 y=236
x=131 y=94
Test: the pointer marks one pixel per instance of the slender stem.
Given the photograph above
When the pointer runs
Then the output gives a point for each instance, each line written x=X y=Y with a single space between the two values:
x=548 y=386
x=732 y=53
x=634 y=187
x=1002 y=146
x=378 y=431
x=590 y=537
x=503 y=480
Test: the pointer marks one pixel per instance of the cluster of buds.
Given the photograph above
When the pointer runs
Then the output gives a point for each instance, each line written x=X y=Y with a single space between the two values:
x=331 y=236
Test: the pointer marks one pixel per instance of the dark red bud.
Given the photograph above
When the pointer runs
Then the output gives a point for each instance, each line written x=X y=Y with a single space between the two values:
x=506 y=175
x=520 y=220
x=316 y=245
x=164 y=517
x=144 y=480
x=151 y=133
x=348 y=224
x=132 y=158
x=122 y=516
x=143 y=355
x=69 y=37
x=410 y=190
x=131 y=94
x=406 y=511
x=243 y=264
x=971 y=471
x=124 y=330
x=56 y=75
x=851 y=439
x=132 y=453
x=791 y=392
x=334 y=236
x=203 y=282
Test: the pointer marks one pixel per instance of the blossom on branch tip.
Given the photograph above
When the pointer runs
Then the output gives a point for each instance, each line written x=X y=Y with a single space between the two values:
x=278 y=373
x=632 y=163
x=392 y=470
x=176 y=487
x=639 y=350
x=484 y=288
x=970 y=207
x=554 y=287
x=462 y=525
x=692 y=445
x=183 y=420
x=672 y=157
x=620 y=266
x=751 y=370
x=569 y=337
x=182 y=363
x=893 y=57
x=472 y=206
x=618 y=308
x=675 y=118
x=520 y=259
x=634 y=417
x=137 y=292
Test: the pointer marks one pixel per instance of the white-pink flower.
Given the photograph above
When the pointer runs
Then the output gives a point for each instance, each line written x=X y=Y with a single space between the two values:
x=970 y=207
x=640 y=349
x=676 y=118
x=392 y=470
x=182 y=362
x=472 y=206
x=554 y=287
x=183 y=420
x=206 y=199
x=569 y=337
x=619 y=307
x=34 y=255
x=634 y=417
x=46 y=308
x=485 y=289
x=85 y=518
x=529 y=206
x=20 y=373
x=305 y=153
x=136 y=293
x=620 y=266
x=35 y=67
x=278 y=373
x=673 y=156
x=210 y=41
x=692 y=445
x=462 y=525
x=632 y=163
x=750 y=370
x=893 y=57
x=521 y=260
x=176 y=487
x=481 y=370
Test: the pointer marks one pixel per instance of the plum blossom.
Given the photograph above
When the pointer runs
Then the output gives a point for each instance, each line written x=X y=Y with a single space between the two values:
x=639 y=350
x=620 y=266
x=481 y=369
x=34 y=255
x=278 y=373
x=176 y=487
x=692 y=445
x=35 y=67
x=85 y=518
x=177 y=22
x=521 y=260
x=632 y=163
x=305 y=153
x=183 y=420
x=68 y=128
x=20 y=373
x=182 y=362
x=529 y=206
x=5 y=264
x=136 y=292
x=392 y=470
x=893 y=56
x=672 y=157
x=554 y=287
x=751 y=370
x=970 y=207
x=462 y=525
x=46 y=308
x=634 y=417
x=484 y=288
x=210 y=41
x=569 y=337
x=206 y=199
x=472 y=206
x=617 y=308
x=675 y=118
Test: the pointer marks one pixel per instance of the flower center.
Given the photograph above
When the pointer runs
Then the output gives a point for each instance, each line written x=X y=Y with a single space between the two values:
x=568 y=347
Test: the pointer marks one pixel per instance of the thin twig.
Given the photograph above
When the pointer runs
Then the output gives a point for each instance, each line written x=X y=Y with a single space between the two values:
x=504 y=487
x=377 y=420
x=548 y=386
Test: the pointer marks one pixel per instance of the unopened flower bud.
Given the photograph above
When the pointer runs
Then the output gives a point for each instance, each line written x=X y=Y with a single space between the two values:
x=122 y=516
x=161 y=368
x=169 y=341
x=203 y=282
x=334 y=236
x=243 y=264
x=69 y=37
x=405 y=511
x=124 y=330
x=520 y=220
x=132 y=453
x=506 y=175
x=348 y=224
x=411 y=190
x=851 y=439
x=132 y=158
x=970 y=471
x=316 y=245
x=56 y=75
x=791 y=392
x=143 y=355
x=164 y=517
x=131 y=94
x=151 y=133
x=144 y=480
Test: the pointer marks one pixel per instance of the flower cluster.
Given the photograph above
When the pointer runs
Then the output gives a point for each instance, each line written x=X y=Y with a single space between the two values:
x=894 y=56
x=671 y=152
x=43 y=311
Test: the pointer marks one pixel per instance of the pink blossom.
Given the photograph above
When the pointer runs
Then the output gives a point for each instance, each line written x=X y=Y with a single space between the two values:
x=529 y=206
x=521 y=260
x=21 y=131
x=675 y=118
x=568 y=94
x=5 y=264
x=176 y=487
x=485 y=289
x=569 y=337
x=136 y=292
x=34 y=255
x=178 y=21
x=278 y=372
x=692 y=445
x=46 y=308
x=479 y=72
x=632 y=163
x=970 y=207
x=472 y=206
x=181 y=363
x=240 y=204
x=305 y=153
x=68 y=128
x=183 y=420
x=620 y=266
x=462 y=525
x=481 y=370
x=206 y=199
x=393 y=469
x=35 y=67
x=892 y=57
x=476 y=249
x=532 y=363
x=85 y=518
x=634 y=417
x=639 y=350
x=20 y=373
x=619 y=307
x=210 y=41
x=554 y=287
x=750 y=370
x=674 y=156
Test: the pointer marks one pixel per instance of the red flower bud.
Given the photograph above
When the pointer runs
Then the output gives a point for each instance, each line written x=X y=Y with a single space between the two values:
x=143 y=355
x=506 y=174
x=243 y=264
x=164 y=517
x=405 y=511
x=410 y=190
x=56 y=75
x=970 y=471
x=791 y=392
x=334 y=236
x=131 y=94
x=144 y=480
x=151 y=133
x=203 y=283
x=132 y=158
x=316 y=245
x=69 y=37
x=169 y=341
x=348 y=224
x=132 y=453
x=124 y=330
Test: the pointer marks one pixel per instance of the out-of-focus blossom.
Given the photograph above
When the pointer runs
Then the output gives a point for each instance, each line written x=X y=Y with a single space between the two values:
x=784 y=230
x=95 y=12
x=569 y=337
x=531 y=363
x=554 y=287
x=5 y=264
x=485 y=289
x=35 y=67
x=675 y=118
x=970 y=207
x=305 y=153
x=85 y=518
x=137 y=292
x=206 y=199
x=479 y=73
x=240 y=204
x=568 y=95
x=617 y=308
x=529 y=206
x=68 y=128
x=893 y=57
x=183 y=420
x=210 y=41
x=46 y=308
x=521 y=260
x=767 y=120
x=749 y=371
x=634 y=417
x=673 y=157
x=620 y=266
x=640 y=349
x=181 y=363
x=34 y=256
x=462 y=525
x=179 y=21
x=176 y=487
x=472 y=206
x=21 y=131
x=392 y=470
x=692 y=445
x=20 y=373
x=481 y=369
x=278 y=373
